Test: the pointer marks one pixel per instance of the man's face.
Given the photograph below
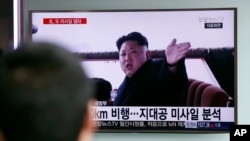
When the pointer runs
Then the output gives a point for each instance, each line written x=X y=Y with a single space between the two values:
x=132 y=56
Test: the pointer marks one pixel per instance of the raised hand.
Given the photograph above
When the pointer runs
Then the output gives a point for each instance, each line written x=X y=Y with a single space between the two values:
x=175 y=52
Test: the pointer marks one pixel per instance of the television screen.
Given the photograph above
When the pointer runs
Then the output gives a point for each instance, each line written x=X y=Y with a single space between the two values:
x=167 y=70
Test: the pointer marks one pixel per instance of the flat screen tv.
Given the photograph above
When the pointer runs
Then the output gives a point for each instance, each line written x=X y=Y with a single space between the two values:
x=209 y=96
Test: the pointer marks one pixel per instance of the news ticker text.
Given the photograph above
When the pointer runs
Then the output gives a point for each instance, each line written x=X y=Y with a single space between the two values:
x=212 y=114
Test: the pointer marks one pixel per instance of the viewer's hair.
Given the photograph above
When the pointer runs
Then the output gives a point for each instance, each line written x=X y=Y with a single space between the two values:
x=133 y=36
x=43 y=93
x=1 y=52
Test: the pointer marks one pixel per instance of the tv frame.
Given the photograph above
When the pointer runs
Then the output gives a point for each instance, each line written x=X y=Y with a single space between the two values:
x=234 y=9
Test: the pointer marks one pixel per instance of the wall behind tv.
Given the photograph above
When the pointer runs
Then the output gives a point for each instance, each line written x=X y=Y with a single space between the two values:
x=243 y=50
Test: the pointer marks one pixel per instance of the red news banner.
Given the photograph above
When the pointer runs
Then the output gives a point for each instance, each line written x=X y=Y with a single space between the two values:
x=64 y=20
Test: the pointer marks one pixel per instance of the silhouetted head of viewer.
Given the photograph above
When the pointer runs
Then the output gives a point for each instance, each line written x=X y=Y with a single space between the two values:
x=1 y=52
x=102 y=89
x=45 y=95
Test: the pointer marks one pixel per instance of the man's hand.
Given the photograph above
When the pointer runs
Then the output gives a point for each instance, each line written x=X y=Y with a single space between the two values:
x=175 y=52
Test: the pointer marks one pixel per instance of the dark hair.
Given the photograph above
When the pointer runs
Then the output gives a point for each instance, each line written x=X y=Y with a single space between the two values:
x=43 y=94
x=1 y=52
x=102 y=89
x=133 y=36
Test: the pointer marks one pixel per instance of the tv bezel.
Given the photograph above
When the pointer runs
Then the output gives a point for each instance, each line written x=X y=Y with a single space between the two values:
x=234 y=9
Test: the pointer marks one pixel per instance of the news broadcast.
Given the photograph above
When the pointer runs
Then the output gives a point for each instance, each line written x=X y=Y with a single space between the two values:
x=167 y=70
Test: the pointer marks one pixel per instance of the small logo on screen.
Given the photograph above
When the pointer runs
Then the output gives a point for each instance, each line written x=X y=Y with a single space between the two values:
x=213 y=25
x=239 y=132
x=212 y=21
